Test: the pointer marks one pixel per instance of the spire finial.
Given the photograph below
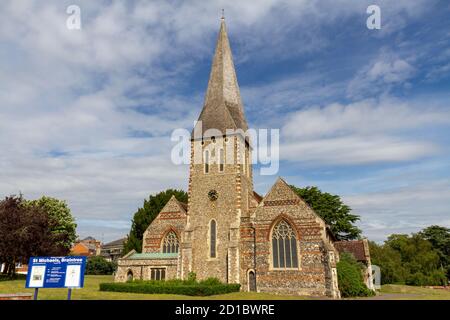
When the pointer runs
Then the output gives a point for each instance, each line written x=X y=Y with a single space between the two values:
x=223 y=14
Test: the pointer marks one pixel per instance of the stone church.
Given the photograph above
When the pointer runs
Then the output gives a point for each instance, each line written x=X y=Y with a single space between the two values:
x=274 y=243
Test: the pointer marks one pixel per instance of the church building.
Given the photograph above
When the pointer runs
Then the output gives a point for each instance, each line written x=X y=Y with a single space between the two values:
x=274 y=243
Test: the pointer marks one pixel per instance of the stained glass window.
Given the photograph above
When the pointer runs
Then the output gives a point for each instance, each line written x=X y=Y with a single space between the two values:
x=284 y=246
x=170 y=243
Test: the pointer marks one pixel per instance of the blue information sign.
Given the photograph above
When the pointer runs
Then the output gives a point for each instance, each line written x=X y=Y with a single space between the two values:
x=56 y=272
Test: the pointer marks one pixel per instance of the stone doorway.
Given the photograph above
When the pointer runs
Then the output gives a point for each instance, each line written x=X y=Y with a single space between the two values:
x=251 y=281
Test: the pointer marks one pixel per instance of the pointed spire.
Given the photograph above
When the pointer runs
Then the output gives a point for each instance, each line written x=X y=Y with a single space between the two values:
x=223 y=106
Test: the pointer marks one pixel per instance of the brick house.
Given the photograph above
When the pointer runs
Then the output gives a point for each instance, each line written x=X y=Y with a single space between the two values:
x=273 y=243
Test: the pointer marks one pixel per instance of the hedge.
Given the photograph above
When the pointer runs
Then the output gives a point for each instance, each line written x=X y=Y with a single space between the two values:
x=17 y=276
x=350 y=279
x=205 y=288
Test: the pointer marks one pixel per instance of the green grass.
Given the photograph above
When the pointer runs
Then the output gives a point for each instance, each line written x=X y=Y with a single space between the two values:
x=402 y=292
x=91 y=292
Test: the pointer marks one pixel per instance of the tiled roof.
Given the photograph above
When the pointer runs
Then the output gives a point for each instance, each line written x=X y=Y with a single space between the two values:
x=156 y=255
x=358 y=248
x=115 y=243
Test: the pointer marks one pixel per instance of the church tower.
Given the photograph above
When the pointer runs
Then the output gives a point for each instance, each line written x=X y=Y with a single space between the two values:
x=220 y=181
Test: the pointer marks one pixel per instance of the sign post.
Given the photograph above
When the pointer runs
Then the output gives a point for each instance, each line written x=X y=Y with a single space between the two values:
x=56 y=272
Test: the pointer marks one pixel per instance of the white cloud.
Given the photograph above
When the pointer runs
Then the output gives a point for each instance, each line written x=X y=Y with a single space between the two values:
x=380 y=75
x=368 y=131
x=69 y=98
x=402 y=210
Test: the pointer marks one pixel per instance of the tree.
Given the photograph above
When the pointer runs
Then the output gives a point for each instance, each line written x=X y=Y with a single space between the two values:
x=145 y=215
x=439 y=237
x=63 y=223
x=350 y=278
x=24 y=232
x=408 y=259
x=98 y=265
x=331 y=208
x=390 y=263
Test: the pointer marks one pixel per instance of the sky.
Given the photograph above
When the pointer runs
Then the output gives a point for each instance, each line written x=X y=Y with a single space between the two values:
x=86 y=115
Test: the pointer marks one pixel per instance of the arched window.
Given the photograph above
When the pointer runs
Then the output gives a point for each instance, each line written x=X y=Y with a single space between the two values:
x=170 y=243
x=221 y=160
x=284 y=246
x=206 y=161
x=130 y=275
x=243 y=155
x=212 y=238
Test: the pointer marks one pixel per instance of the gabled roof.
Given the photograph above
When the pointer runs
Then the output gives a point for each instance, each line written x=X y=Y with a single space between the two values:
x=173 y=205
x=359 y=248
x=223 y=107
x=281 y=190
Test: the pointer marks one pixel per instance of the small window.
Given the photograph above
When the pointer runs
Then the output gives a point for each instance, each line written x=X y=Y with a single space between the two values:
x=248 y=164
x=158 y=274
x=206 y=160
x=221 y=160
x=243 y=161
x=212 y=252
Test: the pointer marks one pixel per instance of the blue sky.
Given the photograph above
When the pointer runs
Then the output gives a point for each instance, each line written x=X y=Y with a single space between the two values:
x=87 y=115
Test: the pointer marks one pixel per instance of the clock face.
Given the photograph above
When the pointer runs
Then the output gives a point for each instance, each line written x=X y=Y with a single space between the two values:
x=213 y=195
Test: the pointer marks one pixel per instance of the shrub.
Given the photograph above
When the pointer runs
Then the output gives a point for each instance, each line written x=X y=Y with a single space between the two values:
x=99 y=266
x=436 y=278
x=190 y=287
x=17 y=276
x=350 y=279
x=211 y=282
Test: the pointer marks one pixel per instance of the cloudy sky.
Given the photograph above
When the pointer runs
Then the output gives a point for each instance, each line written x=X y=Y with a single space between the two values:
x=86 y=115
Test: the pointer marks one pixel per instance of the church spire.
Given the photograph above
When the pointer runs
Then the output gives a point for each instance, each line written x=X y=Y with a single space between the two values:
x=223 y=106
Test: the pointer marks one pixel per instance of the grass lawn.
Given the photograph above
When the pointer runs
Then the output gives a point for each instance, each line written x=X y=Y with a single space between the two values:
x=91 y=292
x=401 y=292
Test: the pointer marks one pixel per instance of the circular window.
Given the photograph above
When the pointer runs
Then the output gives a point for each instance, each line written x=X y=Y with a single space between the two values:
x=213 y=195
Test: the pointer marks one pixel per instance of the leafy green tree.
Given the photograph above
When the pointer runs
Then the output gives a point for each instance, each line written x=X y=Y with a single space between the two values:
x=390 y=262
x=25 y=232
x=63 y=223
x=145 y=215
x=439 y=238
x=98 y=265
x=331 y=208
x=350 y=277
x=408 y=259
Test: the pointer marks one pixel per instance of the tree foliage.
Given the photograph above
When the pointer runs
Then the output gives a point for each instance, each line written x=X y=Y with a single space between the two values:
x=439 y=238
x=350 y=277
x=146 y=214
x=25 y=232
x=331 y=208
x=98 y=265
x=410 y=259
x=63 y=224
